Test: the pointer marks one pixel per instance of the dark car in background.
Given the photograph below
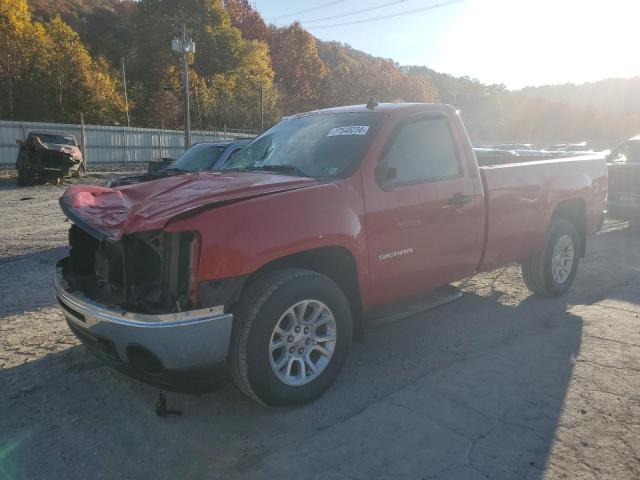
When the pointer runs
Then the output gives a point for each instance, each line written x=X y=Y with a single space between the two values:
x=199 y=157
x=569 y=149
x=493 y=156
x=48 y=156
x=208 y=156
x=512 y=146
x=624 y=181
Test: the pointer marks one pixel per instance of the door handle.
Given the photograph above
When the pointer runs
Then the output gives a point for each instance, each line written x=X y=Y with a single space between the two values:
x=458 y=200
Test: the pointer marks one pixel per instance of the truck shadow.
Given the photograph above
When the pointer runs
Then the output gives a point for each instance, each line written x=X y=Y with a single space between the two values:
x=469 y=390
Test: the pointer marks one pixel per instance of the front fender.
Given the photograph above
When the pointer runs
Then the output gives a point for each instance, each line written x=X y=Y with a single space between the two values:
x=239 y=238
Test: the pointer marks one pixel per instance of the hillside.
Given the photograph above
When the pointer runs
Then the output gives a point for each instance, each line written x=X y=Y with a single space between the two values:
x=238 y=54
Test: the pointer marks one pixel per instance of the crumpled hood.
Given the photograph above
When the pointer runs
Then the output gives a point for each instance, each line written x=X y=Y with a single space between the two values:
x=68 y=149
x=114 y=212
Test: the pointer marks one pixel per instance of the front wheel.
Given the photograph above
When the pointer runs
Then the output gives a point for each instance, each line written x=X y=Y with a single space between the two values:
x=551 y=271
x=25 y=177
x=21 y=177
x=292 y=334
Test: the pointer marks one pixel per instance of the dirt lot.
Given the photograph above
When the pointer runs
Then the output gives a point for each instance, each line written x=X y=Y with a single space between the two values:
x=499 y=385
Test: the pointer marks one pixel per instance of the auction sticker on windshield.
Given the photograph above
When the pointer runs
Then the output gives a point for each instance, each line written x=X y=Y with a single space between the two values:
x=353 y=130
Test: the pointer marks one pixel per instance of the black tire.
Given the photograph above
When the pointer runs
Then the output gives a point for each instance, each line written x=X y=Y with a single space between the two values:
x=27 y=177
x=537 y=270
x=21 y=180
x=259 y=310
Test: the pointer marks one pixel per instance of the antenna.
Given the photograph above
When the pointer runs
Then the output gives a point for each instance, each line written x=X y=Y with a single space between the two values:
x=371 y=104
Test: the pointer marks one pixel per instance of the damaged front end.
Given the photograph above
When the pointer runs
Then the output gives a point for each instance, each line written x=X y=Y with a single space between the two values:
x=147 y=272
x=132 y=302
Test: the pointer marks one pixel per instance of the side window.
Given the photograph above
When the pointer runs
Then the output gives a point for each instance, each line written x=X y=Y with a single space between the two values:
x=619 y=155
x=634 y=153
x=423 y=150
x=233 y=154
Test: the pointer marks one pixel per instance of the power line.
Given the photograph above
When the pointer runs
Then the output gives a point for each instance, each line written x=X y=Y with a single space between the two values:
x=393 y=15
x=299 y=12
x=355 y=12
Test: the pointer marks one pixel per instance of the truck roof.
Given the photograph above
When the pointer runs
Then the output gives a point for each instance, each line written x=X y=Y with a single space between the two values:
x=380 y=107
x=51 y=132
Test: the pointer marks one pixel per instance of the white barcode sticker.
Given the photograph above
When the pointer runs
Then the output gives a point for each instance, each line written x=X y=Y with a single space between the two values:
x=353 y=130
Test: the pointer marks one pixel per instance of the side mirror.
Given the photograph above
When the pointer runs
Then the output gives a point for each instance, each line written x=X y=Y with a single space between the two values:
x=19 y=142
x=385 y=175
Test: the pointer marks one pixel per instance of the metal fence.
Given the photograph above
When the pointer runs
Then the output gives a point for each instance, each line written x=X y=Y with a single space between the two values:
x=111 y=144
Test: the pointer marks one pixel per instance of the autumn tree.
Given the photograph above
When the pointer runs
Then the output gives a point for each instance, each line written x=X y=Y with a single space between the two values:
x=48 y=73
x=22 y=41
x=354 y=77
x=299 y=71
x=246 y=19
x=79 y=83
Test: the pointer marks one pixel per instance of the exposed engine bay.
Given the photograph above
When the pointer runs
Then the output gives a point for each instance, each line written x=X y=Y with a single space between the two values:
x=148 y=272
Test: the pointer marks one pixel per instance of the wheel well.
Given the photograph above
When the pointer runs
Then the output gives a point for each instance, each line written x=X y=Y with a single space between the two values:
x=336 y=263
x=574 y=211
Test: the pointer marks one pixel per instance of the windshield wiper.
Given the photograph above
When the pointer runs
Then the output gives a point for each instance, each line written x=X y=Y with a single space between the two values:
x=286 y=169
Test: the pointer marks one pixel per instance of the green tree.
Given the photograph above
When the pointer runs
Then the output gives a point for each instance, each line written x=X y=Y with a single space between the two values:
x=226 y=71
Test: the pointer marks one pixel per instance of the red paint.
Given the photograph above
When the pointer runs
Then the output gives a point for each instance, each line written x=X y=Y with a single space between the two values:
x=245 y=220
x=149 y=206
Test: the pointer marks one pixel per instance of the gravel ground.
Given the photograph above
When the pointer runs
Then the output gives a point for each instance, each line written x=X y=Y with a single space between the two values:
x=499 y=384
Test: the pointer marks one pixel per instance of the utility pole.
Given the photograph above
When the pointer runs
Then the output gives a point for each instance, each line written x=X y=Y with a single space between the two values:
x=198 y=106
x=261 y=107
x=83 y=146
x=185 y=73
x=185 y=45
x=126 y=98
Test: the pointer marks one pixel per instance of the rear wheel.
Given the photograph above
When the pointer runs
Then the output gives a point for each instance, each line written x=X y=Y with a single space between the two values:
x=551 y=271
x=292 y=334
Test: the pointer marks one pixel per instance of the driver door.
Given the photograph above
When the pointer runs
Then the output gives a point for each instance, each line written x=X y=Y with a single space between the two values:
x=426 y=225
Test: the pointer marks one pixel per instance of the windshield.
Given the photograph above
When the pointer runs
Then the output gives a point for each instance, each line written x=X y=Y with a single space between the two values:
x=198 y=157
x=329 y=145
x=55 y=139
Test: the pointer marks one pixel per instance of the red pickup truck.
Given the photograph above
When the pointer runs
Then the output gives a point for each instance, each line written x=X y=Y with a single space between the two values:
x=266 y=270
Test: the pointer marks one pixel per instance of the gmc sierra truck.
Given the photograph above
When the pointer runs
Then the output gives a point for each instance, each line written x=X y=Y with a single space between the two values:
x=265 y=271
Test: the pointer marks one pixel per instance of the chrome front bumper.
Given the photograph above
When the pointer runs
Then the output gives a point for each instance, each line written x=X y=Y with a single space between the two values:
x=182 y=341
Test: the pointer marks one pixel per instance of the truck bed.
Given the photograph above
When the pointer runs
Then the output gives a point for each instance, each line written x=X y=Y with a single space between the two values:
x=521 y=197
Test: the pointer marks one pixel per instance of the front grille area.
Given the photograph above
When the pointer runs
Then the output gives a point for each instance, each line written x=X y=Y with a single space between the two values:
x=49 y=158
x=146 y=272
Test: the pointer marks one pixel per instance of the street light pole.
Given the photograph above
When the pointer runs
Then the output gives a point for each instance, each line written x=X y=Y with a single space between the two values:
x=187 y=116
x=185 y=45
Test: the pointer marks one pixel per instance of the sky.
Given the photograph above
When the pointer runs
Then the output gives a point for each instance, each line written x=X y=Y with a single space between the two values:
x=514 y=42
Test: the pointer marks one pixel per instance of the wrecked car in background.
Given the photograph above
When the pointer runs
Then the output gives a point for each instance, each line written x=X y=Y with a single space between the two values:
x=48 y=156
